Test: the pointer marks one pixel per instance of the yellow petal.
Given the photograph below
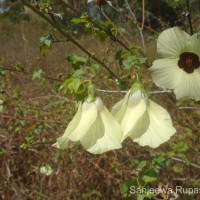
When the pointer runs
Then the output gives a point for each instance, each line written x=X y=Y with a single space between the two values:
x=134 y=113
x=94 y=127
x=194 y=44
x=172 y=42
x=130 y=114
x=166 y=73
x=119 y=109
x=188 y=86
x=160 y=128
x=88 y=117
x=111 y=136
x=140 y=127
x=62 y=142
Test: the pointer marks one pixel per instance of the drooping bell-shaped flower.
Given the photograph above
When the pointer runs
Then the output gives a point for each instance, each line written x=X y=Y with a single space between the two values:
x=179 y=66
x=143 y=120
x=94 y=127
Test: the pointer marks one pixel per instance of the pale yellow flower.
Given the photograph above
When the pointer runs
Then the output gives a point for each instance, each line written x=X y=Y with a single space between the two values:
x=179 y=66
x=94 y=127
x=143 y=120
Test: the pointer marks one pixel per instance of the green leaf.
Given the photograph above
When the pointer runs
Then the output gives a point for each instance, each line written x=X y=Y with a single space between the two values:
x=181 y=147
x=93 y=69
x=74 y=86
x=122 y=30
x=118 y=56
x=122 y=84
x=97 y=193
x=78 y=86
x=142 y=164
x=57 y=86
x=2 y=73
x=140 y=196
x=177 y=169
x=77 y=61
x=79 y=21
x=102 y=35
x=19 y=67
x=46 y=43
x=124 y=188
x=2 y=152
x=78 y=73
x=30 y=139
x=91 y=193
x=38 y=75
x=148 y=179
x=1 y=105
x=159 y=160
x=133 y=61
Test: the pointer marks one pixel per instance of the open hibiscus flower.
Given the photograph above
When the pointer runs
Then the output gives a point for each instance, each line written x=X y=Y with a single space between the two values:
x=94 y=127
x=141 y=119
x=179 y=66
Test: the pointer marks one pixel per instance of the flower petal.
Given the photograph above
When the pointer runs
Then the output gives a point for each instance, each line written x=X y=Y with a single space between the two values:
x=165 y=73
x=188 y=86
x=88 y=117
x=160 y=129
x=112 y=134
x=194 y=44
x=131 y=113
x=115 y=109
x=62 y=142
x=119 y=109
x=172 y=42
x=140 y=127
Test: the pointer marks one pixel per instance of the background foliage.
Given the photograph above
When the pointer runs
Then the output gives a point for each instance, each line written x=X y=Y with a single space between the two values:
x=36 y=59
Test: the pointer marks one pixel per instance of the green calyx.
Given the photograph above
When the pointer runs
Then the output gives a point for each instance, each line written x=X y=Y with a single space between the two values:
x=137 y=86
x=91 y=92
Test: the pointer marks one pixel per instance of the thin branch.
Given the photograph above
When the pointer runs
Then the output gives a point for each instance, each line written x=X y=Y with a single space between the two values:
x=189 y=108
x=132 y=19
x=29 y=73
x=189 y=16
x=59 y=41
x=109 y=33
x=143 y=12
x=112 y=91
x=100 y=90
x=125 y=91
x=54 y=96
x=65 y=34
x=160 y=91
x=140 y=28
x=183 y=161
x=107 y=18
x=31 y=119
x=173 y=158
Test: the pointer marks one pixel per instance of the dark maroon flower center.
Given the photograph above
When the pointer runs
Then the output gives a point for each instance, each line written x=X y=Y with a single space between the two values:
x=188 y=62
